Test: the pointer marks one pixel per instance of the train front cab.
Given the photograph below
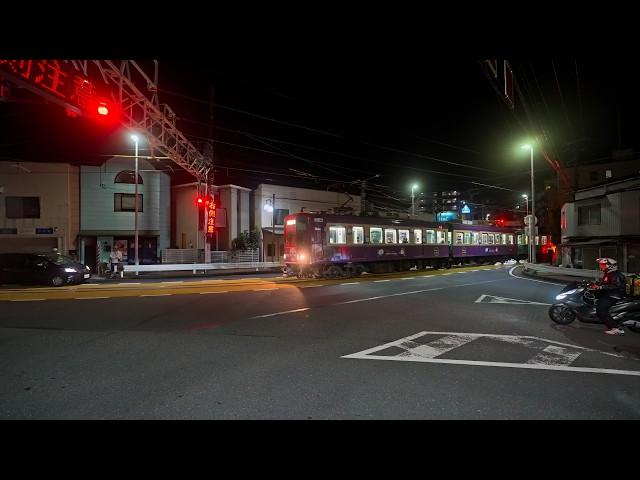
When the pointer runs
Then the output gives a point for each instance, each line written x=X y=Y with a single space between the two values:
x=298 y=243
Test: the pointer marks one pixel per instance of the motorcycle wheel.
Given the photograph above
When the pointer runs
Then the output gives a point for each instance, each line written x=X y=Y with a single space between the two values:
x=561 y=314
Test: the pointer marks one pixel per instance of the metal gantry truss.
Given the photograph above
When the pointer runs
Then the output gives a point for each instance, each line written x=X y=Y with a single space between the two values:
x=147 y=115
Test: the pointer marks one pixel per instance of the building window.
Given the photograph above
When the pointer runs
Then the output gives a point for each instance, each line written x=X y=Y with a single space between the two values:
x=404 y=236
x=22 y=207
x=376 y=234
x=280 y=213
x=127 y=176
x=608 y=174
x=589 y=215
x=358 y=235
x=390 y=235
x=337 y=235
x=417 y=236
x=125 y=202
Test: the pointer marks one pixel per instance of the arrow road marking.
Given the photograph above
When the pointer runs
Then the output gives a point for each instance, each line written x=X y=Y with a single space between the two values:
x=512 y=301
x=555 y=356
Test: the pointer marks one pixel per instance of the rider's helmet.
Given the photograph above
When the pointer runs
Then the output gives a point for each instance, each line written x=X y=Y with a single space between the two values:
x=607 y=264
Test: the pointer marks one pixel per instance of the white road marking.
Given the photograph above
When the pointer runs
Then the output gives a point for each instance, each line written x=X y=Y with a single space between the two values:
x=157 y=295
x=350 y=283
x=130 y=283
x=435 y=348
x=507 y=300
x=552 y=357
x=450 y=273
x=531 y=279
x=413 y=292
x=264 y=289
x=208 y=293
x=88 y=298
x=29 y=300
x=181 y=281
x=311 y=286
x=407 y=278
x=503 y=364
x=282 y=313
x=378 y=281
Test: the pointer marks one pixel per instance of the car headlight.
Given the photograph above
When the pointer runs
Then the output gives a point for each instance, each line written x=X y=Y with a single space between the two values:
x=70 y=270
x=562 y=296
x=87 y=267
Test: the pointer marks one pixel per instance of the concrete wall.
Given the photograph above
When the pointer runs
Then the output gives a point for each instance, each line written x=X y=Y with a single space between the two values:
x=619 y=215
x=186 y=216
x=294 y=199
x=97 y=189
x=56 y=184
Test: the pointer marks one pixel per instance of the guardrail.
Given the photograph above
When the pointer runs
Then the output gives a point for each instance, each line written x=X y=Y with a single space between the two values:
x=567 y=272
x=195 y=267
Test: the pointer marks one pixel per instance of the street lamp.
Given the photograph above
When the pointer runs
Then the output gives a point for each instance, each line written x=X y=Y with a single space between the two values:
x=134 y=137
x=532 y=258
x=270 y=206
x=413 y=207
x=526 y=199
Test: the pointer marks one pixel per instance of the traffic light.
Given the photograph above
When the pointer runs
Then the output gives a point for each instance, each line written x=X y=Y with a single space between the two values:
x=200 y=204
x=103 y=111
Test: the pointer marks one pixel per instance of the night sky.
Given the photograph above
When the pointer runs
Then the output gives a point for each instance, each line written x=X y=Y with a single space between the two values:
x=438 y=122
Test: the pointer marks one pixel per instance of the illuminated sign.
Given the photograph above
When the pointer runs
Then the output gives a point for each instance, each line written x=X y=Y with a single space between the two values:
x=466 y=209
x=211 y=217
x=57 y=80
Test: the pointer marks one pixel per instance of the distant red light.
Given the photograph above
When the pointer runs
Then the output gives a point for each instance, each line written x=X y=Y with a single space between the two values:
x=102 y=108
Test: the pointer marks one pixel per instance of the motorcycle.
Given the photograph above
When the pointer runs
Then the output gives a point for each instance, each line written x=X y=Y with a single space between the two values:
x=576 y=300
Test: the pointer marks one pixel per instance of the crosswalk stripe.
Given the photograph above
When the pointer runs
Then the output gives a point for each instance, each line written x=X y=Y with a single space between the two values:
x=554 y=355
x=435 y=348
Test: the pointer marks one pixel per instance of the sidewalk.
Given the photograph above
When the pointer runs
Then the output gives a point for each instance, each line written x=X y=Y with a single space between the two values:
x=552 y=277
x=184 y=274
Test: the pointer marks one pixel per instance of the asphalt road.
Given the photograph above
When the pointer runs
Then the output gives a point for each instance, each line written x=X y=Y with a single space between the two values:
x=444 y=345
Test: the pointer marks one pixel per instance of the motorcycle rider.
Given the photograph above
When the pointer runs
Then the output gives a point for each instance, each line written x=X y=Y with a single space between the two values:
x=612 y=283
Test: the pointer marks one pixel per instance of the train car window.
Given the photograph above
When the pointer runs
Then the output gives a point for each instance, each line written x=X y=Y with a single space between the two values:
x=417 y=235
x=490 y=238
x=510 y=239
x=458 y=238
x=301 y=232
x=504 y=239
x=475 y=238
x=484 y=239
x=290 y=234
x=441 y=236
x=404 y=236
x=358 y=235
x=537 y=240
x=390 y=235
x=376 y=234
x=467 y=238
x=449 y=237
x=431 y=236
x=337 y=235
x=544 y=240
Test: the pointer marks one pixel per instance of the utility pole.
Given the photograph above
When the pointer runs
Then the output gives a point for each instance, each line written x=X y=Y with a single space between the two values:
x=273 y=226
x=363 y=197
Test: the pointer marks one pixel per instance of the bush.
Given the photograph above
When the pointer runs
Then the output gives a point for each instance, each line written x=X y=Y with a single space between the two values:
x=246 y=241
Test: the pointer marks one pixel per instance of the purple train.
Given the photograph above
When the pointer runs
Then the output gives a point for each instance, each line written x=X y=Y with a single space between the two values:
x=334 y=246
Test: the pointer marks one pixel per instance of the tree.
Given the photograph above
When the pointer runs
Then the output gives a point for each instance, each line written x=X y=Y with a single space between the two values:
x=246 y=241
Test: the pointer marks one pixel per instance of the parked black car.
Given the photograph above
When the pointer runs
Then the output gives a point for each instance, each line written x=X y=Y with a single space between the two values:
x=46 y=268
